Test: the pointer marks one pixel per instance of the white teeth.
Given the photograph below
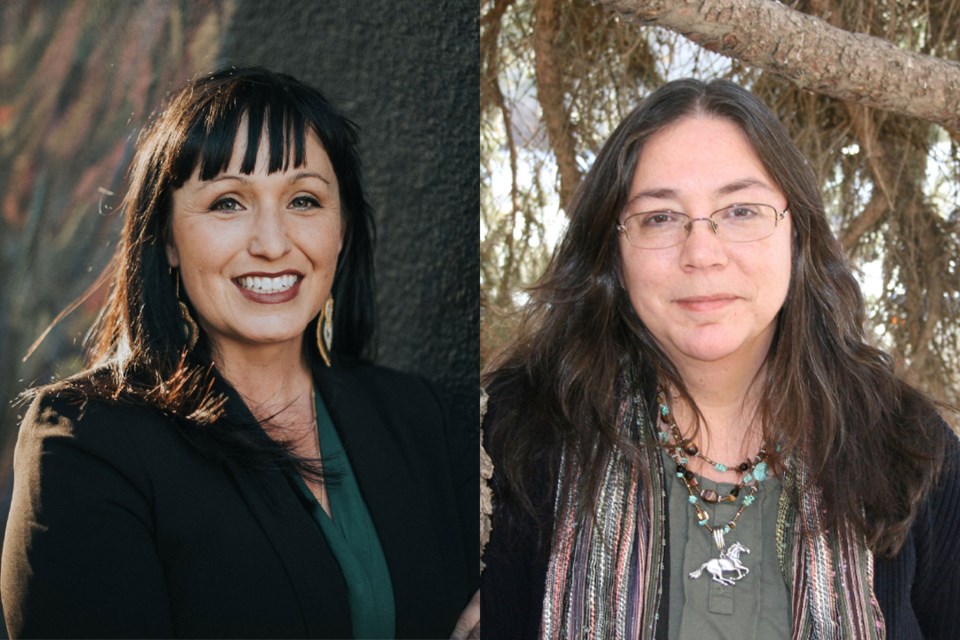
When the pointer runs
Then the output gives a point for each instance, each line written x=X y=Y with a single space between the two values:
x=258 y=284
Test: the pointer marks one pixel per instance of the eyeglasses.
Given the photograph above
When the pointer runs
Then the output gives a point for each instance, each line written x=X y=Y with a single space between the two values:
x=736 y=223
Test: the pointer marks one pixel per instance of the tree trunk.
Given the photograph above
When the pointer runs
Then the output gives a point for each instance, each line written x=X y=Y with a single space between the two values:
x=551 y=96
x=812 y=54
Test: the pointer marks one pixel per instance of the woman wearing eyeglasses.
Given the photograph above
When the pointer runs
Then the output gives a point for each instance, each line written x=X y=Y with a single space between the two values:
x=691 y=436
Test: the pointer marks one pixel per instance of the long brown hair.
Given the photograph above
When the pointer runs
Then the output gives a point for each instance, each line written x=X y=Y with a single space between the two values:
x=873 y=443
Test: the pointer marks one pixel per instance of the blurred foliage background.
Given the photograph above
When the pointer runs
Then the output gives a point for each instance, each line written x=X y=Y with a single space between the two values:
x=77 y=81
x=557 y=76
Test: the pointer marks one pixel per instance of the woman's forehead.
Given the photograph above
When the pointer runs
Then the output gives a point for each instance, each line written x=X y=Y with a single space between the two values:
x=704 y=155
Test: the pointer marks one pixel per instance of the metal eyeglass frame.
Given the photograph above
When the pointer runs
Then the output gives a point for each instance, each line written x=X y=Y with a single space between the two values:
x=714 y=225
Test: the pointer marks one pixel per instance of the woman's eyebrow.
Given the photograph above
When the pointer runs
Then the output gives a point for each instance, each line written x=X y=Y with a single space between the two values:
x=302 y=175
x=740 y=185
x=667 y=193
x=220 y=178
x=664 y=193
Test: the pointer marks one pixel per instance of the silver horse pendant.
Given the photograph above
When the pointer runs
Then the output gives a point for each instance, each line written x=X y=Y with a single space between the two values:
x=729 y=561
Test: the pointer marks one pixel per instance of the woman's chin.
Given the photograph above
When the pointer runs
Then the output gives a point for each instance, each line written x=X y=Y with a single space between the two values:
x=710 y=349
x=260 y=338
x=718 y=347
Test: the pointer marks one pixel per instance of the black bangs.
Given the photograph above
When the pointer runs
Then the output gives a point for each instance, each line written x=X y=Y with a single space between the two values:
x=210 y=140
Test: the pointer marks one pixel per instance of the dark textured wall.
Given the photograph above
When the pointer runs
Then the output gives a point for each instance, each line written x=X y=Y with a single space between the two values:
x=407 y=72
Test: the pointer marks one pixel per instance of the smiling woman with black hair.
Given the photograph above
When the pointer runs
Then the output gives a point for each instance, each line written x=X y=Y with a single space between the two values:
x=229 y=465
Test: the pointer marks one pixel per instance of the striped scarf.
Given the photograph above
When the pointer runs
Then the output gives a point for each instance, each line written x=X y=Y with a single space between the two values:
x=605 y=574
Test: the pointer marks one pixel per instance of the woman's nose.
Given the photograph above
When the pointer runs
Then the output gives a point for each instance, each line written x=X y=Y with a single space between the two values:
x=269 y=237
x=703 y=247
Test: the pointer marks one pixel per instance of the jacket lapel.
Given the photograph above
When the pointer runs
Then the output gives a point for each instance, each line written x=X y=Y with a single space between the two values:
x=311 y=567
x=400 y=514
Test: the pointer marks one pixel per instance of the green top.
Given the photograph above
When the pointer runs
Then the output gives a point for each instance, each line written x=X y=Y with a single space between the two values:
x=352 y=538
x=756 y=606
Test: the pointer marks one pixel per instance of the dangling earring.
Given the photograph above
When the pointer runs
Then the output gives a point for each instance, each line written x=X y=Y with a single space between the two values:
x=325 y=331
x=189 y=327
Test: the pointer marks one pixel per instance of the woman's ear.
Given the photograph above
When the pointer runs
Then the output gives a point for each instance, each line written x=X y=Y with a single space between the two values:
x=173 y=258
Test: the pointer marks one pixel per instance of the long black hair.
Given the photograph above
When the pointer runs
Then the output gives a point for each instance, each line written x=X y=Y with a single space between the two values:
x=138 y=347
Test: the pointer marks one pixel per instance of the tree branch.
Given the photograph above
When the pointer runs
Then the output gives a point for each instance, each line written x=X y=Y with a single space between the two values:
x=490 y=81
x=550 y=95
x=871 y=214
x=812 y=54
x=884 y=195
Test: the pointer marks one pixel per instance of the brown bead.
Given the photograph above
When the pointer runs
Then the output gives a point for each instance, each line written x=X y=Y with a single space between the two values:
x=690 y=448
x=744 y=466
x=728 y=498
x=709 y=496
x=735 y=491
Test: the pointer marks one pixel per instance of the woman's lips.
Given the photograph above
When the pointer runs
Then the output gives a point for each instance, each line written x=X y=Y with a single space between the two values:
x=706 y=303
x=269 y=288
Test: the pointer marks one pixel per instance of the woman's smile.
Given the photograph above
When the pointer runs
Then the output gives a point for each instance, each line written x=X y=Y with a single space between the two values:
x=266 y=288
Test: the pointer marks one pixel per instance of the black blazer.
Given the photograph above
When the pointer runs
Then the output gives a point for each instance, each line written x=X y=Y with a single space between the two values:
x=119 y=527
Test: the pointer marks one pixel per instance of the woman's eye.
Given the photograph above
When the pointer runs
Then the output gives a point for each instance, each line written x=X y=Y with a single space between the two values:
x=225 y=204
x=659 y=219
x=305 y=202
x=741 y=211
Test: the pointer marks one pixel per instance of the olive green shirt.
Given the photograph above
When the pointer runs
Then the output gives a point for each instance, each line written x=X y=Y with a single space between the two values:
x=757 y=605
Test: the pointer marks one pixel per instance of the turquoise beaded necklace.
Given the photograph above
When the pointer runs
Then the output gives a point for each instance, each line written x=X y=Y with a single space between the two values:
x=751 y=473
